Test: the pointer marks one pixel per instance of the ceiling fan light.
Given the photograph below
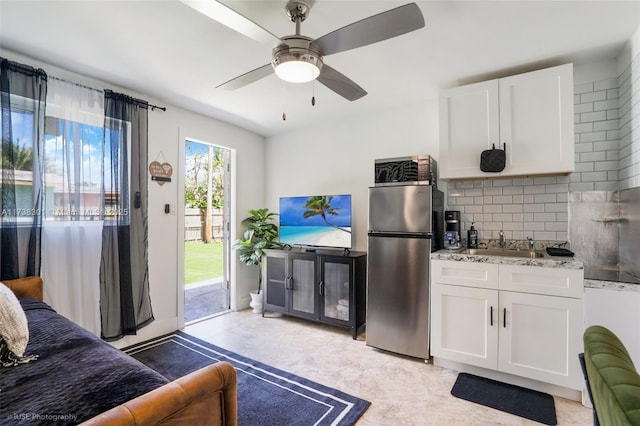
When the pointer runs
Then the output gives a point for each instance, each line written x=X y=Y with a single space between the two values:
x=297 y=71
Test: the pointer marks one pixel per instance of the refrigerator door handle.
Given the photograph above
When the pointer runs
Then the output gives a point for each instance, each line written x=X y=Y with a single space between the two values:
x=383 y=234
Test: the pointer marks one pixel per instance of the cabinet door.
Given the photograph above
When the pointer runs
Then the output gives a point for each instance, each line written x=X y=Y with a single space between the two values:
x=275 y=282
x=469 y=124
x=540 y=338
x=302 y=285
x=465 y=325
x=536 y=121
x=335 y=291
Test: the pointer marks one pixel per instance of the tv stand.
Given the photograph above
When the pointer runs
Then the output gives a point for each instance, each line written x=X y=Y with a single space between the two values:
x=322 y=286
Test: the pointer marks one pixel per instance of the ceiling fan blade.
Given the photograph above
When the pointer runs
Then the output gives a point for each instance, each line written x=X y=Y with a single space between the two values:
x=340 y=83
x=373 y=29
x=232 y=19
x=247 y=78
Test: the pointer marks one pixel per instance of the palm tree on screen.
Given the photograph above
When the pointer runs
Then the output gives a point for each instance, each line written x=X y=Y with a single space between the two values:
x=321 y=205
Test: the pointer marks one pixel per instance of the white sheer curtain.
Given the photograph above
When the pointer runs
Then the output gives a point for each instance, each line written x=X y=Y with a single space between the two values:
x=74 y=202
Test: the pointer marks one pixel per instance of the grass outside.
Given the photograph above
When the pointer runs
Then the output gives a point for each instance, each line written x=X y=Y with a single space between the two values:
x=202 y=261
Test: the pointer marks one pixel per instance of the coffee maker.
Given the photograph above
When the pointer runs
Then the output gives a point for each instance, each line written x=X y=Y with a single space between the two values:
x=452 y=229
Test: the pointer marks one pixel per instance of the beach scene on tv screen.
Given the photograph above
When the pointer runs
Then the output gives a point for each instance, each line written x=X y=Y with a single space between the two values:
x=323 y=220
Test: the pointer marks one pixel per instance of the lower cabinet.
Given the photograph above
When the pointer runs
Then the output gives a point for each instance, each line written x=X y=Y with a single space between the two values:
x=320 y=286
x=532 y=335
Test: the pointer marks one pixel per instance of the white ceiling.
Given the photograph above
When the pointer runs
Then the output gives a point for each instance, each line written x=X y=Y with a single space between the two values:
x=164 y=49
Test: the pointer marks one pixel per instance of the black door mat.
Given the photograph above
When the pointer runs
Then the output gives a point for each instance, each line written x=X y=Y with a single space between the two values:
x=523 y=402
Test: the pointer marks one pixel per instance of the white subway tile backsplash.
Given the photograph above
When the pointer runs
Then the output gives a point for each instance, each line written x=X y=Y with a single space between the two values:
x=594 y=177
x=593 y=156
x=583 y=167
x=606 y=166
x=512 y=208
x=582 y=186
x=583 y=128
x=593 y=136
x=600 y=95
x=534 y=189
x=544 y=198
x=557 y=188
x=605 y=105
x=583 y=88
x=544 y=236
x=555 y=226
x=533 y=208
x=583 y=147
x=589 y=117
x=503 y=199
x=611 y=83
x=580 y=108
x=544 y=217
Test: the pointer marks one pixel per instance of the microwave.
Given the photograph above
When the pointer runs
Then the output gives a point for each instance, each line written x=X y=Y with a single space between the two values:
x=411 y=170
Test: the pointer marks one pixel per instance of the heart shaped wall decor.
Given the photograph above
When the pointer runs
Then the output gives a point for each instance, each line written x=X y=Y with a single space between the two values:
x=161 y=173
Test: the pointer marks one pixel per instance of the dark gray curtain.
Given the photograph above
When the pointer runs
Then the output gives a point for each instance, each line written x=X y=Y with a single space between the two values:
x=125 y=305
x=22 y=100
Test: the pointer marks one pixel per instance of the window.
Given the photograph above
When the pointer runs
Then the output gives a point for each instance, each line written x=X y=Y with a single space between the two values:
x=81 y=160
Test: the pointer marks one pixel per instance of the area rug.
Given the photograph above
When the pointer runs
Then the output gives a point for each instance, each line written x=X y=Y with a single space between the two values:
x=266 y=395
x=523 y=402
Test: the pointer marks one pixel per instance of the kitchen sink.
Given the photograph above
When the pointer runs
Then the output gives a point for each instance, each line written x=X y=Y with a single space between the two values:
x=505 y=252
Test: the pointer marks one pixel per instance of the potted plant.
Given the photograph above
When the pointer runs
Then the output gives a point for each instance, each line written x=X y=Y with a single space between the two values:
x=260 y=233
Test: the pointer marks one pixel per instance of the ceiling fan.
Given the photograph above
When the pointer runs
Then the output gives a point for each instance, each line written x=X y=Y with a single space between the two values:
x=298 y=58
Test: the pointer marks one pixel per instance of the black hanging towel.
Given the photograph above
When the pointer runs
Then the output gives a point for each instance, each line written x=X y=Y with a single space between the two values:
x=493 y=160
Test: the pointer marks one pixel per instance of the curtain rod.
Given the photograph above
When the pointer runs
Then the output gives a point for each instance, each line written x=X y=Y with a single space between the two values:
x=153 y=107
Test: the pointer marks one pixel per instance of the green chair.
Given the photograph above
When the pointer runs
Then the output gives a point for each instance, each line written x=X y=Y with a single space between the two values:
x=611 y=378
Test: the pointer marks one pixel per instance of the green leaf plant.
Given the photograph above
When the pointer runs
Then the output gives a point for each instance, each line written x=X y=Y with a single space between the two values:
x=260 y=233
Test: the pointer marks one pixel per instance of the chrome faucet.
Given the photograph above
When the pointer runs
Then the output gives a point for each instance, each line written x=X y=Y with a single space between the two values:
x=502 y=242
x=532 y=244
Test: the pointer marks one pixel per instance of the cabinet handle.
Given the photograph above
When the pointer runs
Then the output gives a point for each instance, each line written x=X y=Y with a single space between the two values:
x=491 y=316
x=321 y=288
x=504 y=319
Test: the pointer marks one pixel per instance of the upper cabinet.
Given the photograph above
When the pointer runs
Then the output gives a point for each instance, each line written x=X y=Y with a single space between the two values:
x=531 y=113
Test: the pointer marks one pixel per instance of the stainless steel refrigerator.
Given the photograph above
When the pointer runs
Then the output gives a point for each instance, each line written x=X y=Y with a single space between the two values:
x=405 y=225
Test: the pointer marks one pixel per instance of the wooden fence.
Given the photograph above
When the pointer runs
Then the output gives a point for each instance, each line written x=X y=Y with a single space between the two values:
x=194 y=223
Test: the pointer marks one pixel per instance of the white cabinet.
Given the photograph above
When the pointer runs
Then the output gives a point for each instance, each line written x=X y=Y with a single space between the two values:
x=461 y=326
x=532 y=113
x=515 y=324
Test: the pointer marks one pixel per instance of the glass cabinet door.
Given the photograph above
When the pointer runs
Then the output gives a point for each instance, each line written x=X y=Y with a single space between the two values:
x=335 y=290
x=275 y=281
x=303 y=284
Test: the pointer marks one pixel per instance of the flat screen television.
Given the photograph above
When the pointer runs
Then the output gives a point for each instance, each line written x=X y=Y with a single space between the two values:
x=316 y=221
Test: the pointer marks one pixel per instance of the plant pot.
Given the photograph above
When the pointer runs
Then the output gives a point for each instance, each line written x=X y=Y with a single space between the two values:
x=256 y=301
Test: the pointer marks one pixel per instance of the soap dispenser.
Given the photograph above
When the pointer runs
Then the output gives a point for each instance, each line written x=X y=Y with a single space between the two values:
x=472 y=237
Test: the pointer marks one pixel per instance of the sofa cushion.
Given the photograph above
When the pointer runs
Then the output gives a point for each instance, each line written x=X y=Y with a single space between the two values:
x=14 y=330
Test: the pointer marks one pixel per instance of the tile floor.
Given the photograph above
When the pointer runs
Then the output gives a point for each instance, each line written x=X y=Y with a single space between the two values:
x=402 y=391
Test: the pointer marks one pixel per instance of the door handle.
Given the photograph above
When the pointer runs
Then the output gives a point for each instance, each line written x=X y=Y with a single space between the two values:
x=504 y=318
x=321 y=288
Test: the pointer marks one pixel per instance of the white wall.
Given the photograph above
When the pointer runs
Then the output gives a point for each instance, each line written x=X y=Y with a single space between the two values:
x=167 y=131
x=339 y=159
